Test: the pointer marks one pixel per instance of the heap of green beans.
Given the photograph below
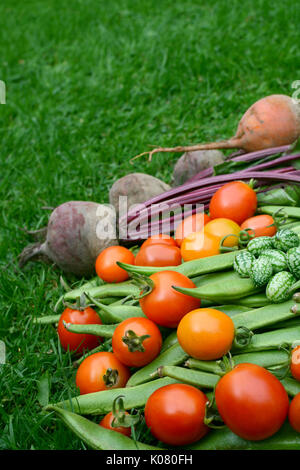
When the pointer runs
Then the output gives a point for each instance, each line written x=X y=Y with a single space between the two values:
x=272 y=327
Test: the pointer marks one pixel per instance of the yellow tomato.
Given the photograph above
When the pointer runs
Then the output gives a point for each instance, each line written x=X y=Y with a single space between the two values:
x=222 y=227
x=199 y=245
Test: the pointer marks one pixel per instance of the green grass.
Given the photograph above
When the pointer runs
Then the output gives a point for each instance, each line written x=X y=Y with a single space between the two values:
x=89 y=85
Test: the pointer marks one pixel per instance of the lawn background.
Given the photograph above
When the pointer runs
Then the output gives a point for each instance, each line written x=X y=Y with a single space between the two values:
x=90 y=84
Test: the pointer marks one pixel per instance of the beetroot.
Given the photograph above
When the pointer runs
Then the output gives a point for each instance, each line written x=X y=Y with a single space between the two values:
x=77 y=232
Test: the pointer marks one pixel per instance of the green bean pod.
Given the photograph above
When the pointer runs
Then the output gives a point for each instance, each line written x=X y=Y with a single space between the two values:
x=290 y=211
x=272 y=340
x=95 y=436
x=264 y=316
x=120 y=289
x=189 y=268
x=223 y=287
x=98 y=403
x=188 y=376
x=169 y=341
x=224 y=439
x=117 y=313
x=254 y=301
x=47 y=320
x=106 y=331
x=171 y=357
x=292 y=386
x=262 y=358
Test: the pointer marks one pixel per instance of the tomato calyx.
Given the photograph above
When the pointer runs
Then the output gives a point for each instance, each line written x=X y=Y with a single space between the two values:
x=121 y=418
x=145 y=284
x=212 y=419
x=226 y=364
x=243 y=337
x=133 y=341
x=80 y=304
x=110 y=377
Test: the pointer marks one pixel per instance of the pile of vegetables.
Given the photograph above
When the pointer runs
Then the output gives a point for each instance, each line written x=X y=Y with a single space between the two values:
x=190 y=339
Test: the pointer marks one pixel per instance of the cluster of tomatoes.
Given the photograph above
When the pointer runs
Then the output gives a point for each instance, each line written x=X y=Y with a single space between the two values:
x=251 y=401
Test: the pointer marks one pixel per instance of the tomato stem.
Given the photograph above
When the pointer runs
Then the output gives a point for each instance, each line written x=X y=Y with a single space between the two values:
x=121 y=418
x=110 y=377
x=133 y=341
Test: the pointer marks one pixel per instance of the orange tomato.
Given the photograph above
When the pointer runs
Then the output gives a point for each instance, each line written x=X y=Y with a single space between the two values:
x=259 y=226
x=158 y=255
x=101 y=371
x=160 y=239
x=200 y=245
x=193 y=223
x=235 y=201
x=106 y=422
x=222 y=227
x=206 y=333
x=106 y=267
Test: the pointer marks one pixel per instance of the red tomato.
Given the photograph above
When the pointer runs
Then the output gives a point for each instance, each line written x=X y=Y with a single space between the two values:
x=101 y=371
x=259 y=226
x=164 y=305
x=158 y=255
x=200 y=245
x=294 y=413
x=106 y=422
x=251 y=401
x=75 y=341
x=206 y=333
x=106 y=267
x=130 y=347
x=222 y=227
x=235 y=201
x=295 y=363
x=193 y=223
x=161 y=239
x=175 y=414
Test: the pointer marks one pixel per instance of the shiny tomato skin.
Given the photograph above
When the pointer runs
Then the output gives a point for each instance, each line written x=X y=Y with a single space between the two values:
x=141 y=327
x=75 y=341
x=158 y=255
x=89 y=376
x=295 y=363
x=164 y=305
x=106 y=423
x=260 y=226
x=235 y=201
x=200 y=245
x=222 y=227
x=193 y=223
x=294 y=413
x=206 y=334
x=175 y=414
x=106 y=267
x=251 y=401
x=161 y=239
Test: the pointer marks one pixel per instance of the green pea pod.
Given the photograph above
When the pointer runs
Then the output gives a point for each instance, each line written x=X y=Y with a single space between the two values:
x=95 y=436
x=264 y=316
x=262 y=358
x=169 y=341
x=47 y=320
x=100 y=403
x=171 y=357
x=120 y=289
x=224 y=439
x=188 y=376
x=290 y=211
x=106 y=331
x=189 y=268
x=223 y=287
x=271 y=340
